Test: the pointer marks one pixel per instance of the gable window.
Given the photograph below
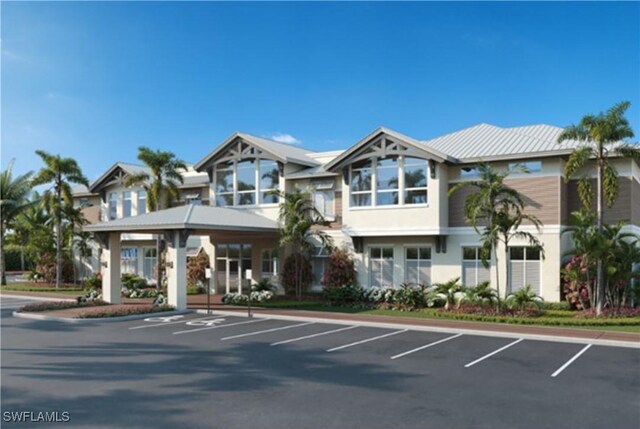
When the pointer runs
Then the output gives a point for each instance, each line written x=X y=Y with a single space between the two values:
x=387 y=183
x=126 y=204
x=471 y=171
x=361 y=186
x=525 y=167
x=381 y=266
x=193 y=199
x=113 y=206
x=473 y=271
x=415 y=181
x=418 y=265
x=247 y=182
x=142 y=202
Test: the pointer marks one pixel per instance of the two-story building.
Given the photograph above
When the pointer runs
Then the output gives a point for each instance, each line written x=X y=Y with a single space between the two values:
x=387 y=197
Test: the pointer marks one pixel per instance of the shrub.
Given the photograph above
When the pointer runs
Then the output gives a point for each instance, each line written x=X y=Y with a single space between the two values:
x=46 y=269
x=610 y=313
x=93 y=282
x=124 y=310
x=263 y=285
x=562 y=305
x=160 y=300
x=132 y=281
x=524 y=298
x=340 y=270
x=290 y=273
x=450 y=292
x=344 y=295
x=243 y=299
x=575 y=285
x=92 y=295
x=379 y=295
x=196 y=289
x=60 y=305
x=143 y=293
x=409 y=297
x=482 y=294
x=196 y=268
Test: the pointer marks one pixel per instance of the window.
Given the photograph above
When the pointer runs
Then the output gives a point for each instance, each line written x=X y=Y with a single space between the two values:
x=418 y=265
x=319 y=262
x=524 y=268
x=149 y=263
x=324 y=203
x=360 y=184
x=129 y=260
x=415 y=181
x=525 y=167
x=473 y=271
x=469 y=172
x=142 y=202
x=381 y=266
x=387 y=182
x=126 y=204
x=193 y=199
x=113 y=206
x=243 y=182
x=269 y=263
x=83 y=203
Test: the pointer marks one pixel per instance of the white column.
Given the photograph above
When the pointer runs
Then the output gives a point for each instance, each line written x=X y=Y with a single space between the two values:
x=211 y=251
x=177 y=275
x=111 y=272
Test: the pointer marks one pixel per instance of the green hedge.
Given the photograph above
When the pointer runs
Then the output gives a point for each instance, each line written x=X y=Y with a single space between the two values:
x=25 y=287
x=121 y=311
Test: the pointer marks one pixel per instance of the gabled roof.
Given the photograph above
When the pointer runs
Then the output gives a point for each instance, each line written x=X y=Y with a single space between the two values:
x=129 y=169
x=283 y=152
x=309 y=173
x=189 y=217
x=433 y=153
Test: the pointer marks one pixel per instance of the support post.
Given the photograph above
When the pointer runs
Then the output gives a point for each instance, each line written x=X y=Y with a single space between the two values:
x=111 y=269
x=177 y=272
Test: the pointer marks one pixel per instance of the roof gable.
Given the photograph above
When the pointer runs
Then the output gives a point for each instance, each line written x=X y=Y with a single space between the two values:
x=116 y=174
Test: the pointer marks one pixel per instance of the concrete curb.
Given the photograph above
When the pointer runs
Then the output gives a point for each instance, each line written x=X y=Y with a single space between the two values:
x=35 y=316
x=34 y=298
x=476 y=332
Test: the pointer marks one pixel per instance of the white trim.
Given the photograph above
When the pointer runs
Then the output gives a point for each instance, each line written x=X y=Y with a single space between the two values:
x=468 y=230
x=377 y=232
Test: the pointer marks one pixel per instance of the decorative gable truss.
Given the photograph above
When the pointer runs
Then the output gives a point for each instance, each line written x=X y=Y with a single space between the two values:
x=239 y=149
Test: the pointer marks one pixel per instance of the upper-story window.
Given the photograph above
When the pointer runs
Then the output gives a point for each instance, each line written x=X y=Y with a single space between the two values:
x=398 y=180
x=193 y=199
x=142 y=202
x=525 y=167
x=471 y=171
x=247 y=182
x=83 y=203
x=113 y=206
x=126 y=204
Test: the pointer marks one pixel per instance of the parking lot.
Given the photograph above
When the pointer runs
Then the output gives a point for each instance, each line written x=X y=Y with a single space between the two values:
x=227 y=371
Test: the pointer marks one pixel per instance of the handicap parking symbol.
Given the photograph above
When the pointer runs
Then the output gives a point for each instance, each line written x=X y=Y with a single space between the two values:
x=163 y=319
x=211 y=322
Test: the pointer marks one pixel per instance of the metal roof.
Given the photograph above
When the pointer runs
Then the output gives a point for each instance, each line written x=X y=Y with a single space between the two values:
x=312 y=172
x=130 y=169
x=189 y=217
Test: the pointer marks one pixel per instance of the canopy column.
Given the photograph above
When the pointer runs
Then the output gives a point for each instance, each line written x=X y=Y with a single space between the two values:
x=177 y=269
x=111 y=268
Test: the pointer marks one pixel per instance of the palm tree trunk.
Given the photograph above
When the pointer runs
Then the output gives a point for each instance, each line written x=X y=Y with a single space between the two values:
x=158 y=264
x=495 y=256
x=59 y=239
x=22 y=258
x=3 y=274
x=600 y=287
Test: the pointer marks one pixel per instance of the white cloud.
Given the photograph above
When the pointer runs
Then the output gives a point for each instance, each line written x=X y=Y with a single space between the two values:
x=285 y=138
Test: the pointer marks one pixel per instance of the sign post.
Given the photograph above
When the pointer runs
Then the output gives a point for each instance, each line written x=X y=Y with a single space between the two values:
x=247 y=276
x=208 y=273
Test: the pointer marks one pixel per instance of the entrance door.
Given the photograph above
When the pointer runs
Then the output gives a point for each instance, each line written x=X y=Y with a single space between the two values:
x=232 y=260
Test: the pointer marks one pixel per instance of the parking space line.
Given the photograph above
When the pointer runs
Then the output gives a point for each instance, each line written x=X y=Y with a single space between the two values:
x=570 y=361
x=495 y=352
x=313 y=335
x=426 y=346
x=366 y=341
x=188 y=331
x=172 y=323
x=266 y=331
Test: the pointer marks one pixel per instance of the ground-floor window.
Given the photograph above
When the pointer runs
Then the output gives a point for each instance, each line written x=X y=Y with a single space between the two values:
x=524 y=268
x=149 y=263
x=269 y=263
x=129 y=260
x=381 y=266
x=418 y=265
x=473 y=272
x=319 y=262
x=232 y=263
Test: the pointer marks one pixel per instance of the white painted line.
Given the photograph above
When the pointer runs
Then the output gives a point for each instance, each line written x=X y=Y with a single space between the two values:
x=170 y=323
x=219 y=326
x=570 y=361
x=367 y=340
x=313 y=335
x=266 y=330
x=493 y=353
x=426 y=346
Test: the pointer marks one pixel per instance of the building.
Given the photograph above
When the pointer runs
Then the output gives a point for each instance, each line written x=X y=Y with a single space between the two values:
x=386 y=197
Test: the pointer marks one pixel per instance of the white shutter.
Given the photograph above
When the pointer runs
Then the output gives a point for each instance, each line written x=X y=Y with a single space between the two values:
x=469 y=273
x=532 y=275
x=516 y=275
x=425 y=272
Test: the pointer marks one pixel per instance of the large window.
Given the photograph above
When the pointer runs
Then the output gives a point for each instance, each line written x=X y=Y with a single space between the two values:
x=323 y=197
x=149 y=263
x=113 y=206
x=418 y=265
x=319 y=262
x=269 y=263
x=525 y=167
x=398 y=181
x=129 y=260
x=473 y=271
x=381 y=266
x=524 y=268
x=247 y=182
x=142 y=202
x=126 y=204
x=470 y=171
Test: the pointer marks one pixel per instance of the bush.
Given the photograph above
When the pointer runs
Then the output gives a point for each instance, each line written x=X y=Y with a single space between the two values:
x=90 y=296
x=160 y=300
x=610 y=313
x=60 y=305
x=263 y=285
x=142 y=293
x=196 y=268
x=340 y=270
x=409 y=297
x=344 y=295
x=132 y=281
x=243 y=299
x=482 y=294
x=196 y=289
x=93 y=282
x=124 y=310
x=562 y=305
x=524 y=298
x=46 y=269
x=379 y=295
x=290 y=272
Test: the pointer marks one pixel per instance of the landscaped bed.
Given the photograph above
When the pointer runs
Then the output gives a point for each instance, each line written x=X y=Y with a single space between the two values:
x=123 y=310
x=60 y=305
x=67 y=289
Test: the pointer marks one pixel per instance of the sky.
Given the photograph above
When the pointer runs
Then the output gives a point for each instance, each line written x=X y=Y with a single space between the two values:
x=94 y=81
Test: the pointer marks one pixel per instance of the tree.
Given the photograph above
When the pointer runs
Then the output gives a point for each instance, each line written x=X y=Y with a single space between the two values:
x=299 y=219
x=161 y=185
x=59 y=172
x=13 y=200
x=600 y=136
x=496 y=212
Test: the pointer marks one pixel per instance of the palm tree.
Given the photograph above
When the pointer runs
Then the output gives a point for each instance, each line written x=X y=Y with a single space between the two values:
x=299 y=219
x=59 y=172
x=500 y=210
x=13 y=200
x=161 y=185
x=450 y=291
x=81 y=241
x=600 y=136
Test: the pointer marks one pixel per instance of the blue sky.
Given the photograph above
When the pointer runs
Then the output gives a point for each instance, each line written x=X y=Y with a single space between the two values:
x=96 y=80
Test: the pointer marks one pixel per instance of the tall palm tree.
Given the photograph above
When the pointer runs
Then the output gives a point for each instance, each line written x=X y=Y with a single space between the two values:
x=161 y=185
x=60 y=173
x=299 y=219
x=496 y=212
x=13 y=200
x=600 y=136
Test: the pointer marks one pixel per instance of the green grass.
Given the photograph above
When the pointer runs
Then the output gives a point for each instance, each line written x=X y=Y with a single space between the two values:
x=33 y=287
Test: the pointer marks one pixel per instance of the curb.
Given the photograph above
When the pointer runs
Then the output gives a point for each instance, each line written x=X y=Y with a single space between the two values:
x=34 y=316
x=34 y=298
x=475 y=332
